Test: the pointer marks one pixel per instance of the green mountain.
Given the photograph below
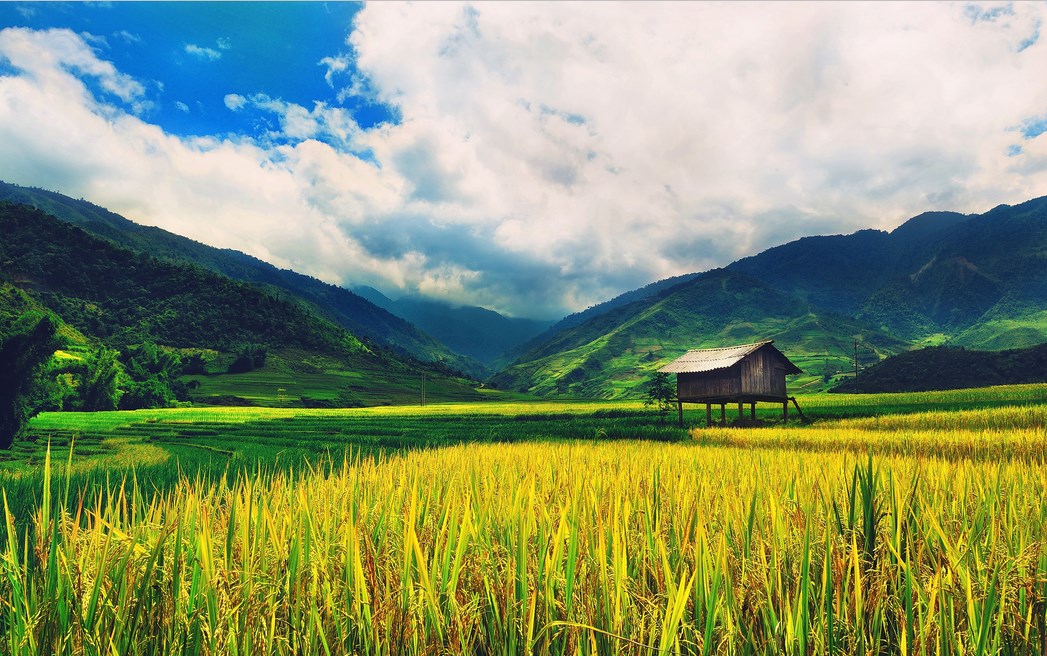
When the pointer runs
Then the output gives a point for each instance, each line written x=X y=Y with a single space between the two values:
x=578 y=318
x=481 y=334
x=124 y=298
x=975 y=280
x=951 y=367
x=350 y=311
x=613 y=354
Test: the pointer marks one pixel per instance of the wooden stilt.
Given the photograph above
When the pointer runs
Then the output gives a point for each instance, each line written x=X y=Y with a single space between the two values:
x=679 y=406
x=723 y=414
x=803 y=417
x=708 y=414
x=752 y=411
x=785 y=412
x=741 y=411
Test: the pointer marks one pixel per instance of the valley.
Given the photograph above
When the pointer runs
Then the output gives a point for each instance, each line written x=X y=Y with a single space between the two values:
x=977 y=281
x=230 y=448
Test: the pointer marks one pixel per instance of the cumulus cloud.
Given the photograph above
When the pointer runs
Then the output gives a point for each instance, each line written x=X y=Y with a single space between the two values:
x=550 y=156
x=54 y=57
x=601 y=138
x=333 y=125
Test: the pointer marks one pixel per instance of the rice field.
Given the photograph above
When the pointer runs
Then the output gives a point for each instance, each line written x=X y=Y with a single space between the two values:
x=918 y=532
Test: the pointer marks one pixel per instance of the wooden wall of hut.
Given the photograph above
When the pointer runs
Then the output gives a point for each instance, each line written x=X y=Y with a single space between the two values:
x=763 y=374
x=710 y=384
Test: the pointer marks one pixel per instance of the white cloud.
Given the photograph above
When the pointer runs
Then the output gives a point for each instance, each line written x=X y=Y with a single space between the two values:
x=335 y=66
x=182 y=107
x=127 y=37
x=234 y=101
x=551 y=155
x=599 y=138
x=202 y=52
x=47 y=58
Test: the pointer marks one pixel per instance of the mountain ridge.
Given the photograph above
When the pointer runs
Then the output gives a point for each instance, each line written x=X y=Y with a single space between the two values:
x=477 y=332
x=128 y=300
x=351 y=311
x=975 y=280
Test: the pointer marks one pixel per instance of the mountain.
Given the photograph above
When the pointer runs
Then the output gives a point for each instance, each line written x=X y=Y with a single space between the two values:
x=977 y=280
x=646 y=291
x=950 y=367
x=352 y=312
x=612 y=354
x=974 y=280
x=481 y=334
x=578 y=318
x=123 y=298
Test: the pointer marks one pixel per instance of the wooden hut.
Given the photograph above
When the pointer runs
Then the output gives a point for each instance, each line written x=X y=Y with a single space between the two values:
x=743 y=374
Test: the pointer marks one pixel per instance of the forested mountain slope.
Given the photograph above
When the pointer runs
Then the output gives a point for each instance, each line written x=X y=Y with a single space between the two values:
x=477 y=332
x=951 y=367
x=612 y=354
x=354 y=313
x=124 y=299
x=975 y=280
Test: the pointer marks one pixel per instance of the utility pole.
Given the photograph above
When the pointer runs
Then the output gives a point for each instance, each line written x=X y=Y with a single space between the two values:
x=856 y=365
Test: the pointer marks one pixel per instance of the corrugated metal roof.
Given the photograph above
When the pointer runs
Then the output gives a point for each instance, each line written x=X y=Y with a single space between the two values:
x=699 y=360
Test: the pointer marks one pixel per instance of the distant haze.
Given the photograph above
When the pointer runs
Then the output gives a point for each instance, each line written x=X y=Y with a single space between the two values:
x=532 y=158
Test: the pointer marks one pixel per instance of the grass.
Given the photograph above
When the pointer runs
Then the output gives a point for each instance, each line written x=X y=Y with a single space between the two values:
x=916 y=525
x=292 y=378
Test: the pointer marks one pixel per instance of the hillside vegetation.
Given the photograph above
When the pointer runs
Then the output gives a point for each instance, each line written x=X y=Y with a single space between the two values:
x=342 y=307
x=231 y=332
x=949 y=367
x=477 y=332
x=973 y=280
x=613 y=354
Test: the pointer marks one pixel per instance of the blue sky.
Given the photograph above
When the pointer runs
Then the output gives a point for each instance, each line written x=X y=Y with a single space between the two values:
x=533 y=158
x=190 y=55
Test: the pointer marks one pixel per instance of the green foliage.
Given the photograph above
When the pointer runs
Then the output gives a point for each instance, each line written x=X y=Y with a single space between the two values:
x=24 y=351
x=149 y=393
x=151 y=311
x=99 y=375
x=151 y=377
x=661 y=393
x=148 y=360
x=248 y=358
x=945 y=367
x=611 y=355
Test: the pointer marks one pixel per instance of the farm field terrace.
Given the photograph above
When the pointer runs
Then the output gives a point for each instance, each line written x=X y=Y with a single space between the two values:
x=532 y=528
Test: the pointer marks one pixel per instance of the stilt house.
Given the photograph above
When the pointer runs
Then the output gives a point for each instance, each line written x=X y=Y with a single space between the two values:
x=743 y=374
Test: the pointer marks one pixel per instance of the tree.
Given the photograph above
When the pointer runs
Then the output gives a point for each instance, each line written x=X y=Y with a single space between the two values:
x=23 y=352
x=661 y=393
x=99 y=381
x=249 y=357
x=152 y=372
x=150 y=393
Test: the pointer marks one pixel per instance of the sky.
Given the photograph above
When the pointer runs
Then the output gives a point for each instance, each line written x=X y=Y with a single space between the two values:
x=532 y=158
